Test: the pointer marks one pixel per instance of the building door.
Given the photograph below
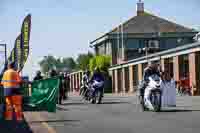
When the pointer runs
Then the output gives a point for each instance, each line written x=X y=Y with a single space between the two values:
x=127 y=85
x=169 y=66
x=135 y=77
x=119 y=76
x=184 y=71
x=197 y=92
x=113 y=81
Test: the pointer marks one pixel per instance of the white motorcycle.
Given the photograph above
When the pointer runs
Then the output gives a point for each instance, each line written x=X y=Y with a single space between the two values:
x=152 y=94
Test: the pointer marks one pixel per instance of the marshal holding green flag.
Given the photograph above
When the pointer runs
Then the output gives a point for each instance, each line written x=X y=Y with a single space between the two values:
x=44 y=92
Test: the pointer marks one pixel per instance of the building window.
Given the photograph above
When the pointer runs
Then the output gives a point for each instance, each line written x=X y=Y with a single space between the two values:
x=184 y=66
x=135 y=76
x=198 y=37
x=154 y=44
x=101 y=49
x=168 y=66
x=108 y=48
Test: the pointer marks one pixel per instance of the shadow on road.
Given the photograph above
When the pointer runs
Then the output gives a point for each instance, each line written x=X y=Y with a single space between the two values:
x=61 y=109
x=14 y=127
x=180 y=110
x=54 y=121
x=81 y=103
x=115 y=103
x=27 y=108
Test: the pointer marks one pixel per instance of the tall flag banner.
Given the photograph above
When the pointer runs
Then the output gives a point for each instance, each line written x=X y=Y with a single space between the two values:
x=25 y=38
x=20 y=52
x=16 y=53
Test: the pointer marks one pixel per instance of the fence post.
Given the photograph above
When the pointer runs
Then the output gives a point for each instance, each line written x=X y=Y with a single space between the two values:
x=1 y=102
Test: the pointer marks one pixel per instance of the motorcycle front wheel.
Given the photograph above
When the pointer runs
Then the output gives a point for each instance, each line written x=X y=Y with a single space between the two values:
x=97 y=98
x=156 y=101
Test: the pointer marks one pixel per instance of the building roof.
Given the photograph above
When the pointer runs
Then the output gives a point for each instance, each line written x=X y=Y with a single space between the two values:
x=149 y=23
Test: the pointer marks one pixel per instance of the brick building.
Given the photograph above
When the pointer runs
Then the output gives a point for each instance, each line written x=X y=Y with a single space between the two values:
x=148 y=37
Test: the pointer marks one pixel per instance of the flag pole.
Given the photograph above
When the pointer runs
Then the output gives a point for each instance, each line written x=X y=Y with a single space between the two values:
x=122 y=35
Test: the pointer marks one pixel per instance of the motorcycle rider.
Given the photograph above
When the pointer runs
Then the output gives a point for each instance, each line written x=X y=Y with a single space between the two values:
x=98 y=80
x=84 y=81
x=152 y=69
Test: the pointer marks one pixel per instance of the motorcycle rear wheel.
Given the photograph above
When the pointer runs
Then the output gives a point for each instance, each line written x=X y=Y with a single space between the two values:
x=156 y=102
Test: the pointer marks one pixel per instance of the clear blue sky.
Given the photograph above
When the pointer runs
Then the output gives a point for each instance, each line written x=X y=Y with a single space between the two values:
x=65 y=27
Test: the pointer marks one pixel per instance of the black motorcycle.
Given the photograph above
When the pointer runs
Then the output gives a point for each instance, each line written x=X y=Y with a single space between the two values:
x=93 y=93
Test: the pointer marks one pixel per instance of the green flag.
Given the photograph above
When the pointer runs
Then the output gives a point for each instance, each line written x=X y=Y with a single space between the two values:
x=44 y=95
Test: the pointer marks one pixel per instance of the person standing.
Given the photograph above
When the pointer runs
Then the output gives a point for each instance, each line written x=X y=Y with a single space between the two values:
x=53 y=73
x=38 y=76
x=168 y=91
x=11 y=82
x=61 y=87
x=84 y=82
x=67 y=86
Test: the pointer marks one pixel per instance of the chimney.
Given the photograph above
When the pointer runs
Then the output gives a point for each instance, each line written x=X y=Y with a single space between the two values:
x=140 y=8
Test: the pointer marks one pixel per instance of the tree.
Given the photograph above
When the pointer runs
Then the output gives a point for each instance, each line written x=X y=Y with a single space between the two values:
x=83 y=61
x=69 y=63
x=102 y=62
x=59 y=64
x=48 y=63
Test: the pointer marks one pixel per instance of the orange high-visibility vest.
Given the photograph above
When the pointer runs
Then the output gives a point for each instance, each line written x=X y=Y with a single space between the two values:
x=11 y=79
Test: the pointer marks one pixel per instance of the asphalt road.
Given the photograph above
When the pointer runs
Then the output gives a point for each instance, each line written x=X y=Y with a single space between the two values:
x=123 y=115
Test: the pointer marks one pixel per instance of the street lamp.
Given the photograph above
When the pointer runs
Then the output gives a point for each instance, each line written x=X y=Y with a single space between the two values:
x=5 y=51
x=145 y=49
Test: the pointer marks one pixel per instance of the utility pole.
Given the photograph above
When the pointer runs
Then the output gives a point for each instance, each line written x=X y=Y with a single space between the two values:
x=122 y=35
x=118 y=43
x=5 y=54
x=146 y=50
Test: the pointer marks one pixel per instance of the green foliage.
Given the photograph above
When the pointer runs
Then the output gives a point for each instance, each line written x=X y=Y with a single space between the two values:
x=69 y=63
x=102 y=62
x=50 y=62
x=83 y=61
x=92 y=64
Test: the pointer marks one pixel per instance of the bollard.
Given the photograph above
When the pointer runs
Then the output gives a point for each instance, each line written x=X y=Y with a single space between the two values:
x=29 y=90
x=1 y=111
